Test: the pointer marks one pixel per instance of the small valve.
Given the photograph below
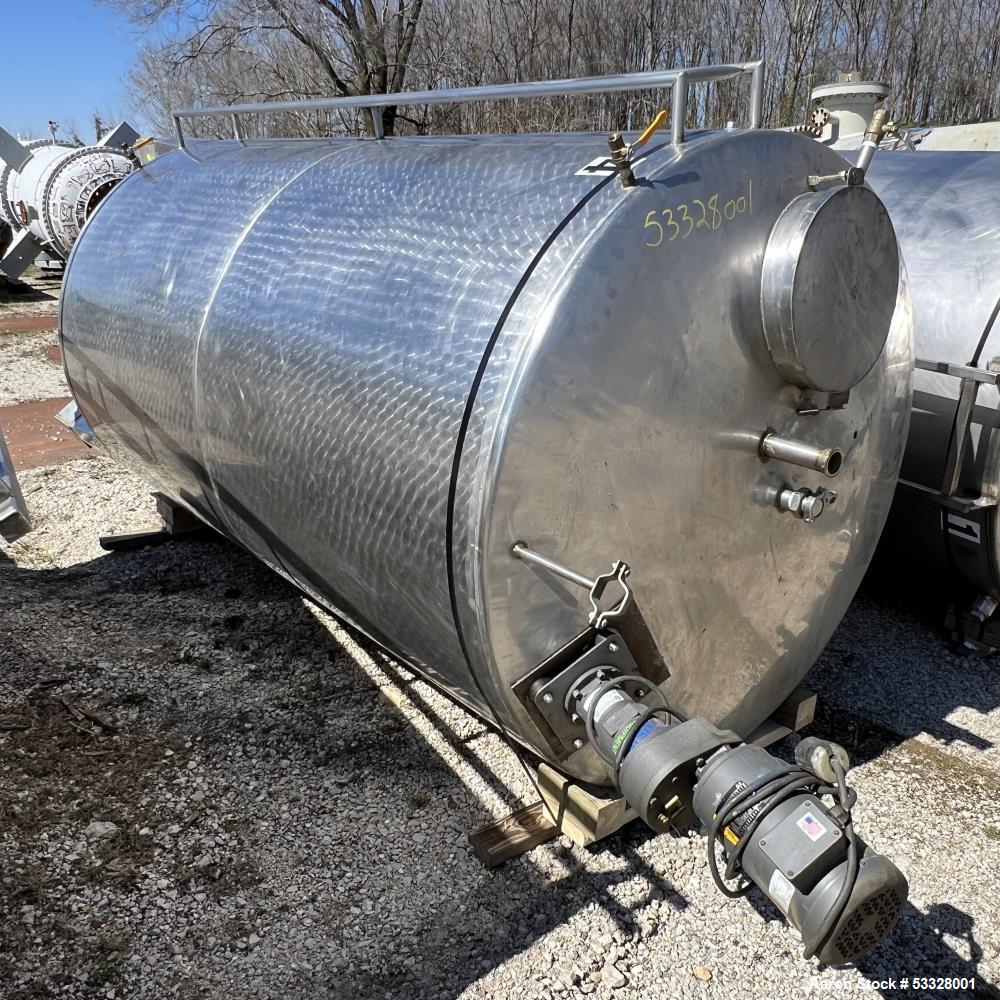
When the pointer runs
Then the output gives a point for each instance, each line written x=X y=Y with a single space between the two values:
x=806 y=504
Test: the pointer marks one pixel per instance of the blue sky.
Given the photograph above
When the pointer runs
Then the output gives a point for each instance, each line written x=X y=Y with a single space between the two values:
x=63 y=59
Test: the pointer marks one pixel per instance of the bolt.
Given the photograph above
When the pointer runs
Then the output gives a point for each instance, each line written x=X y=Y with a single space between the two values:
x=662 y=819
x=547 y=697
x=612 y=647
x=576 y=694
x=763 y=842
x=574 y=717
x=577 y=744
x=640 y=692
x=652 y=803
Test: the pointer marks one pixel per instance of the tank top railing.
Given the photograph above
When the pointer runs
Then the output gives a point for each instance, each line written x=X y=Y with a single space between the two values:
x=677 y=81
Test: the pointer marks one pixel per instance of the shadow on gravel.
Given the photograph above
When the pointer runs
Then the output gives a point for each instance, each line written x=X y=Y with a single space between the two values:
x=208 y=608
x=890 y=673
x=886 y=676
x=917 y=947
x=40 y=289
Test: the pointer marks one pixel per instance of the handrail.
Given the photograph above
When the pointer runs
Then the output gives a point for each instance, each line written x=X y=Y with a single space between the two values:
x=675 y=79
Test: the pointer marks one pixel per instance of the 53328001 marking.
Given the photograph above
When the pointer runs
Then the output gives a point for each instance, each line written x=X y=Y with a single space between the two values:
x=665 y=225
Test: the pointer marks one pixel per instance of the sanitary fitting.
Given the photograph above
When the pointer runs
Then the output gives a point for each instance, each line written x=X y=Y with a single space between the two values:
x=984 y=607
x=805 y=503
x=852 y=177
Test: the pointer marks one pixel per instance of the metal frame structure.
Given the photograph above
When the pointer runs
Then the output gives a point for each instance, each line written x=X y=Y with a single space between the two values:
x=14 y=519
x=971 y=379
x=676 y=80
x=48 y=187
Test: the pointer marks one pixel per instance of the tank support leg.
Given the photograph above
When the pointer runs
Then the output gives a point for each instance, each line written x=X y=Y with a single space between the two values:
x=177 y=522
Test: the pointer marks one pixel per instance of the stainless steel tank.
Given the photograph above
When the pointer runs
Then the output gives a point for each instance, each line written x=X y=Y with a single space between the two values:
x=945 y=207
x=380 y=364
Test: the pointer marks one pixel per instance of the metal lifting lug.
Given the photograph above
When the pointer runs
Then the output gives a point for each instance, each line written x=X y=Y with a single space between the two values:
x=813 y=401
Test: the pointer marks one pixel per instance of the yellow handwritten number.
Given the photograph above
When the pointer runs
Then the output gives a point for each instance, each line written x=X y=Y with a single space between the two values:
x=652 y=222
x=686 y=217
x=670 y=222
x=713 y=204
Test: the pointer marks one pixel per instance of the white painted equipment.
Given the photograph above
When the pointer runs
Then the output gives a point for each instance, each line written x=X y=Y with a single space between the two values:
x=48 y=189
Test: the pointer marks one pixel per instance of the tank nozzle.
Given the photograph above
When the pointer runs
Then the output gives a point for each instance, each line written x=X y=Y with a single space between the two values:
x=873 y=136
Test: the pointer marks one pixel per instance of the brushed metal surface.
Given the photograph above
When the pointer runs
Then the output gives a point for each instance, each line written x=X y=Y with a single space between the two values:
x=631 y=430
x=814 y=303
x=945 y=207
x=14 y=519
x=378 y=364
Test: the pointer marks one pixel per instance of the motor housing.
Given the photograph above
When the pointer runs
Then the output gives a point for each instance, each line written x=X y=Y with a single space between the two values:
x=798 y=856
x=769 y=816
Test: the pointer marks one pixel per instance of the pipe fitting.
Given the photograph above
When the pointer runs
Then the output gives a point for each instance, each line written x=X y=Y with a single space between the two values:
x=873 y=136
x=805 y=504
x=808 y=456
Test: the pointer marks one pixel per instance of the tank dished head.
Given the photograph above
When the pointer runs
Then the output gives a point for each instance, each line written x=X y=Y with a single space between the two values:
x=828 y=287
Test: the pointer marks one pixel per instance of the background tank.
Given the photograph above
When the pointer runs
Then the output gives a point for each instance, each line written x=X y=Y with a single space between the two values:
x=380 y=364
x=945 y=206
x=946 y=210
x=14 y=519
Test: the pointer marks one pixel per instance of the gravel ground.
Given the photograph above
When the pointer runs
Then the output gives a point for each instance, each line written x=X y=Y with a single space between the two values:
x=36 y=292
x=26 y=374
x=205 y=792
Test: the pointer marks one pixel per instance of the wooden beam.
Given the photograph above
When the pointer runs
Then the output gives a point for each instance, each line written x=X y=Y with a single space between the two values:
x=797 y=710
x=515 y=834
x=582 y=815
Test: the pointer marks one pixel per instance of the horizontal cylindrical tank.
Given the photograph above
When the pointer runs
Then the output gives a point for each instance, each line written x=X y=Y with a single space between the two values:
x=380 y=364
x=946 y=210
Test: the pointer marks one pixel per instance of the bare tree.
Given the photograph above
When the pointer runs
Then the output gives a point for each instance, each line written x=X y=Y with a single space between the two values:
x=941 y=58
x=231 y=50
